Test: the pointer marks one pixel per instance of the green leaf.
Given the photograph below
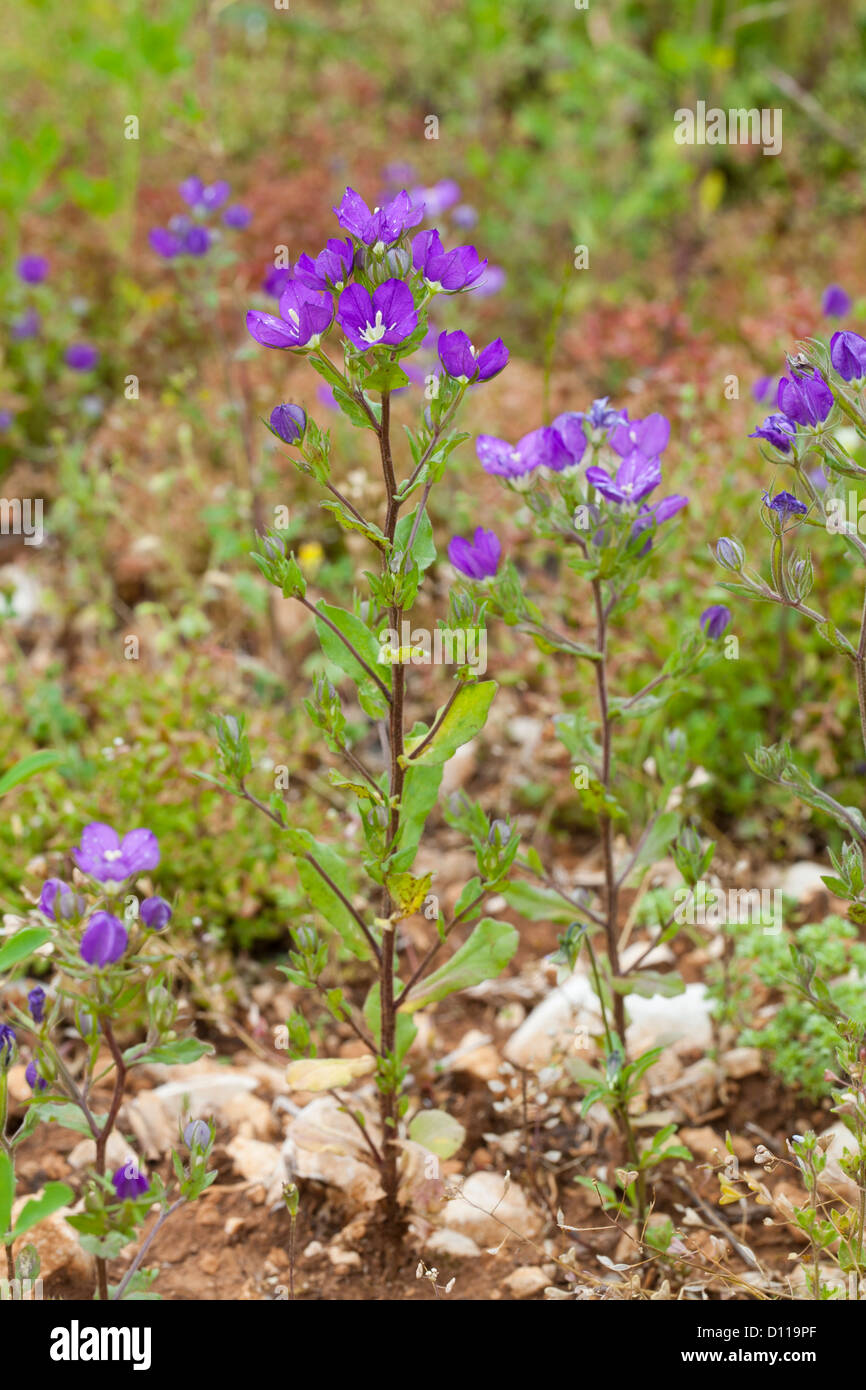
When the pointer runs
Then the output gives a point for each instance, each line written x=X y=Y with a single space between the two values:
x=420 y=794
x=538 y=904
x=7 y=1191
x=182 y=1050
x=438 y=1132
x=322 y=896
x=406 y=1030
x=29 y=767
x=63 y=1113
x=658 y=837
x=389 y=377
x=54 y=1195
x=481 y=957
x=359 y=636
x=423 y=547
x=649 y=982
x=22 y=945
x=466 y=717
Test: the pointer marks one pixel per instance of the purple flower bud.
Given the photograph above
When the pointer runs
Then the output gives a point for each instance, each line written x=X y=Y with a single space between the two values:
x=81 y=357
x=165 y=243
x=27 y=326
x=332 y=267
x=466 y=363
x=237 y=216
x=848 y=355
x=215 y=195
x=730 y=554
x=6 y=420
x=155 y=913
x=835 y=303
x=58 y=901
x=778 y=430
x=104 y=941
x=7 y=1045
x=32 y=269
x=33 y=1079
x=289 y=422
x=130 y=1182
x=385 y=318
x=191 y=191
x=36 y=1003
x=197 y=1135
x=807 y=400
x=197 y=241
x=478 y=558
x=714 y=620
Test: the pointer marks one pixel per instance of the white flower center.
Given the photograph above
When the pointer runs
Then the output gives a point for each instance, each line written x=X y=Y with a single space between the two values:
x=112 y=854
x=374 y=332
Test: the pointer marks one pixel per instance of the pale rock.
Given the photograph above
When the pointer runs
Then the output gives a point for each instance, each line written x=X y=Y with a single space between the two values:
x=259 y=1164
x=57 y=1245
x=698 y=1086
x=742 y=1061
x=344 y=1260
x=474 y=1055
x=117 y=1153
x=324 y=1144
x=833 y=1179
x=202 y=1095
x=471 y=1211
x=525 y=1282
x=799 y=881
x=704 y=1143
x=155 y=1133
x=249 y=1116
x=313 y=1250
x=452 y=1245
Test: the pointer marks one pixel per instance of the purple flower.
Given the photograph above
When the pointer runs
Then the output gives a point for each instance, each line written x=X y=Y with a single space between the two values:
x=569 y=427
x=807 y=400
x=848 y=355
x=215 y=195
x=196 y=1135
x=104 y=941
x=464 y=215
x=32 y=269
x=836 y=303
x=388 y=318
x=36 y=1003
x=6 y=419
x=785 y=504
x=331 y=268
x=7 y=1045
x=650 y=517
x=602 y=417
x=764 y=388
x=445 y=270
x=166 y=244
x=130 y=1182
x=305 y=315
x=109 y=859
x=197 y=241
x=636 y=476
x=436 y=199
x=541 y=448
x=325 y=396
x=81 y=357
x=191 y=191
x=492 y=282
x=155 y=913
x=648 y=437
x=478 y=558
x=58 y=901
x=237 y=216
x=715 y=619
x=778 y=430
x=465 y=363
x=27 y=326
x=33 y=1079
x=276 y=279
x=384 y=225
x=289 y=422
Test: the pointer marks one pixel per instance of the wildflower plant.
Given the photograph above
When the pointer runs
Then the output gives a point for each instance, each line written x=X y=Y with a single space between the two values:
x=588 y=483
x=357 y=312
x=108 y=963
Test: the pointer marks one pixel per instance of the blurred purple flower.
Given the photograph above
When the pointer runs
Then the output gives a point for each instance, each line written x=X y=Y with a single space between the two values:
x=714 y=620
x=197 y=241
x=81 y=357
x=492 y=282
x=155 y=913
x=387 y=318
x=648 y=437
x=835 y=303
x=785 y=504
x=109 y=859
x=33 y=1079
x=778 y=430
x=191 y=191
x=541 y=448
x=32 y=269
x=636 y=476
x=478 y=558
x=130 y=1183
x=237 y=216
x=104 y=941
x=848 y=355
x=36 y=1003
x=569 y=427
x=27 y=326
x=6 y=420
x=466 y=363
x=436 y=199
x=464 y=216
x=276 y=279
x=165 y=243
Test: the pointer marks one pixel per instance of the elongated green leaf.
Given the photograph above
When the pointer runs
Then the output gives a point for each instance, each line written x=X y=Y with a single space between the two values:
x=364 y=642
x=322 y=896
x=22 y=945
x=423 y=547
x=406 y=1029
x=7 y=1192
x=420 y=793
x=54 y=1195
x=67 y=1115
x=538 y=904
x=182 y=1050
x=481 y=957
x=663 y=830
x=29 y=767
x=465 y=718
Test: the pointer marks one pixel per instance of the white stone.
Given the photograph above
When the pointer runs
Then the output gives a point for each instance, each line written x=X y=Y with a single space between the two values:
x=452 y=1245
x=488 y=1209
x=525 y=1282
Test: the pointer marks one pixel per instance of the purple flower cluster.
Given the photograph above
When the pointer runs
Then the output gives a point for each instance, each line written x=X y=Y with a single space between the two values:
x=804 y=401
x=375 y=308
x=186 y=235
x=80 y=357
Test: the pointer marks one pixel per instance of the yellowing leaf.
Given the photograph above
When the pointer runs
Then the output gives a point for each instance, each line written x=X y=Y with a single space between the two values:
x=323 y=1073
x=438 y=1132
